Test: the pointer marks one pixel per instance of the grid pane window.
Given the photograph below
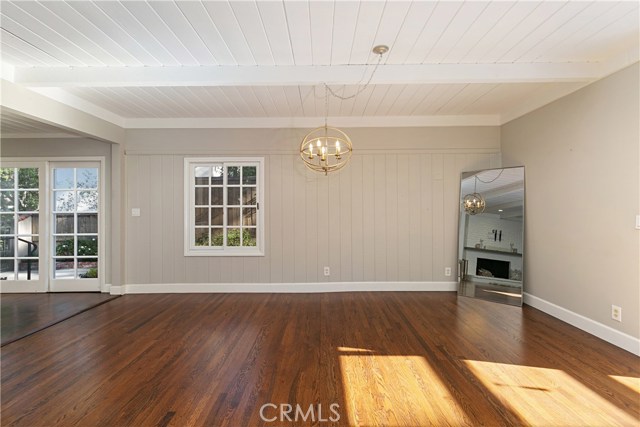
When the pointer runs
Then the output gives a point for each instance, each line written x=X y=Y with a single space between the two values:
x=19 y=223
x=223 y=207
x=75 y=222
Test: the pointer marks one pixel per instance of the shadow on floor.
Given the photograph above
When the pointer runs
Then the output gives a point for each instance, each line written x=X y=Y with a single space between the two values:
x=26 y=314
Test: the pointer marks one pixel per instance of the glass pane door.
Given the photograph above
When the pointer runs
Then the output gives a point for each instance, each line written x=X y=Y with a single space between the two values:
x=75 y=242
x=20 y=231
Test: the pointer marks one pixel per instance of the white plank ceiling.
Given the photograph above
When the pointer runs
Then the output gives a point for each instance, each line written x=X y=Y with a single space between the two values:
x=139 y=63
x=15 y=125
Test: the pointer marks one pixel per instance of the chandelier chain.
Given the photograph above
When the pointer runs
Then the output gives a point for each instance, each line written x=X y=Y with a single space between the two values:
x=326 y=104
x=360 y=90
x=328 y=149
x=489 y=182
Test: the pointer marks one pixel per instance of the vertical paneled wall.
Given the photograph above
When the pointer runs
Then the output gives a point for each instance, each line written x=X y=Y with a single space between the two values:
x=391 y=215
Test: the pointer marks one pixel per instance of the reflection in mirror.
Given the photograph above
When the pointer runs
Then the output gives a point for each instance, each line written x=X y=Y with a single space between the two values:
x=491 y=235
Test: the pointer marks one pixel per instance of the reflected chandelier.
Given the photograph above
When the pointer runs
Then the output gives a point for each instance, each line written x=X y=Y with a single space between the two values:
x=474 y=203
x=328 y=149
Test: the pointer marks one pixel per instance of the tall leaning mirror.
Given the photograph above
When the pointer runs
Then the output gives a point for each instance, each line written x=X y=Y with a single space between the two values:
x=491 y=235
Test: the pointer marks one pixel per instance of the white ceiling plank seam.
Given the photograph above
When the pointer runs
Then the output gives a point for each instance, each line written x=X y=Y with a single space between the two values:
x=276 y=27
x=112 y=29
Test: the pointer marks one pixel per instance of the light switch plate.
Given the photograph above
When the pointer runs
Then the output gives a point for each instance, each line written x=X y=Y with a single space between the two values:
x=135 y=212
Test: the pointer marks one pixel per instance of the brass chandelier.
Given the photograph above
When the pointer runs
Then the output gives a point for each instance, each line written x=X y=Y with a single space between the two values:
x=328 y=149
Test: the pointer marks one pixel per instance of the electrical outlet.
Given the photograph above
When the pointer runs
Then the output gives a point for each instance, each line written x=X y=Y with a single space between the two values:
x=616 y=313
x=447 y=271
x=135 y=211
x=327 y=271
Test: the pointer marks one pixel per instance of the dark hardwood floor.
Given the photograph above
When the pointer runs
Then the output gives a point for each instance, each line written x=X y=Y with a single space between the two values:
x=24 y=314
x=386 y=359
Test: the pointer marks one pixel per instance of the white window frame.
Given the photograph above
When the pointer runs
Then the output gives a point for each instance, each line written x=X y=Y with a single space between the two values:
x=189 y=208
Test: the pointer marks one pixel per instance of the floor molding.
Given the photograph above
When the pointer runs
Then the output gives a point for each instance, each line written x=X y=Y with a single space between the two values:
x=607 y=333
x=171 y=288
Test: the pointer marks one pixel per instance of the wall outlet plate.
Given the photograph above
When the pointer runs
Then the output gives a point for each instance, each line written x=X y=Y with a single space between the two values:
x=447 y=271
x=135 y=211
x=616 y=313
x=327 y=271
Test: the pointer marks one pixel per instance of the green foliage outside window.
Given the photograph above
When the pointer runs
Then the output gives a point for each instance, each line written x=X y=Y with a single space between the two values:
x=86 y=247
x=91 y=273
x=26 y=200
x=233 y=239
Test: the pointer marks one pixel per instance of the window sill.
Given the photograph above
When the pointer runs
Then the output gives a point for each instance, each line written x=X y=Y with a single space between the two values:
x=224 y=252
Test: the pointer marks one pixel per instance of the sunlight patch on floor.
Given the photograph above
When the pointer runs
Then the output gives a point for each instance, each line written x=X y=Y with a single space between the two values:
x=532 y=392
x=509 y=294
x=394 y=391
x=354 y=350
x=632 y=382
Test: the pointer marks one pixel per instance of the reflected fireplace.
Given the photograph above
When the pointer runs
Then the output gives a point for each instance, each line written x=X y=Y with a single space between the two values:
x=492 y=268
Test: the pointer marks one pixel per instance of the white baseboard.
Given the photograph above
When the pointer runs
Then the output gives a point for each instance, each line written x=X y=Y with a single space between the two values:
x=607 y=333
x=170 y=288
x=116 y=290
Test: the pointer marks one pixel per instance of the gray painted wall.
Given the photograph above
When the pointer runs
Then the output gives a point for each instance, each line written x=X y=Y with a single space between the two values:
x=391 y=215
x=54 y=147
x=582 y=157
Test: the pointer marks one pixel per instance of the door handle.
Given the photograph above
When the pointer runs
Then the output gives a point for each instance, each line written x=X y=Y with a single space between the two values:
x=462 y=268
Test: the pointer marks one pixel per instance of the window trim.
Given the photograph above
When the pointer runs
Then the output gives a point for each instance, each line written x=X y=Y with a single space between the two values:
x=189 y=208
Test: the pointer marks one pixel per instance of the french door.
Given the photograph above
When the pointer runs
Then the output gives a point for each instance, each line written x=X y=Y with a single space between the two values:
x=22 y=254
x=75 y=219
x=51 y=236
